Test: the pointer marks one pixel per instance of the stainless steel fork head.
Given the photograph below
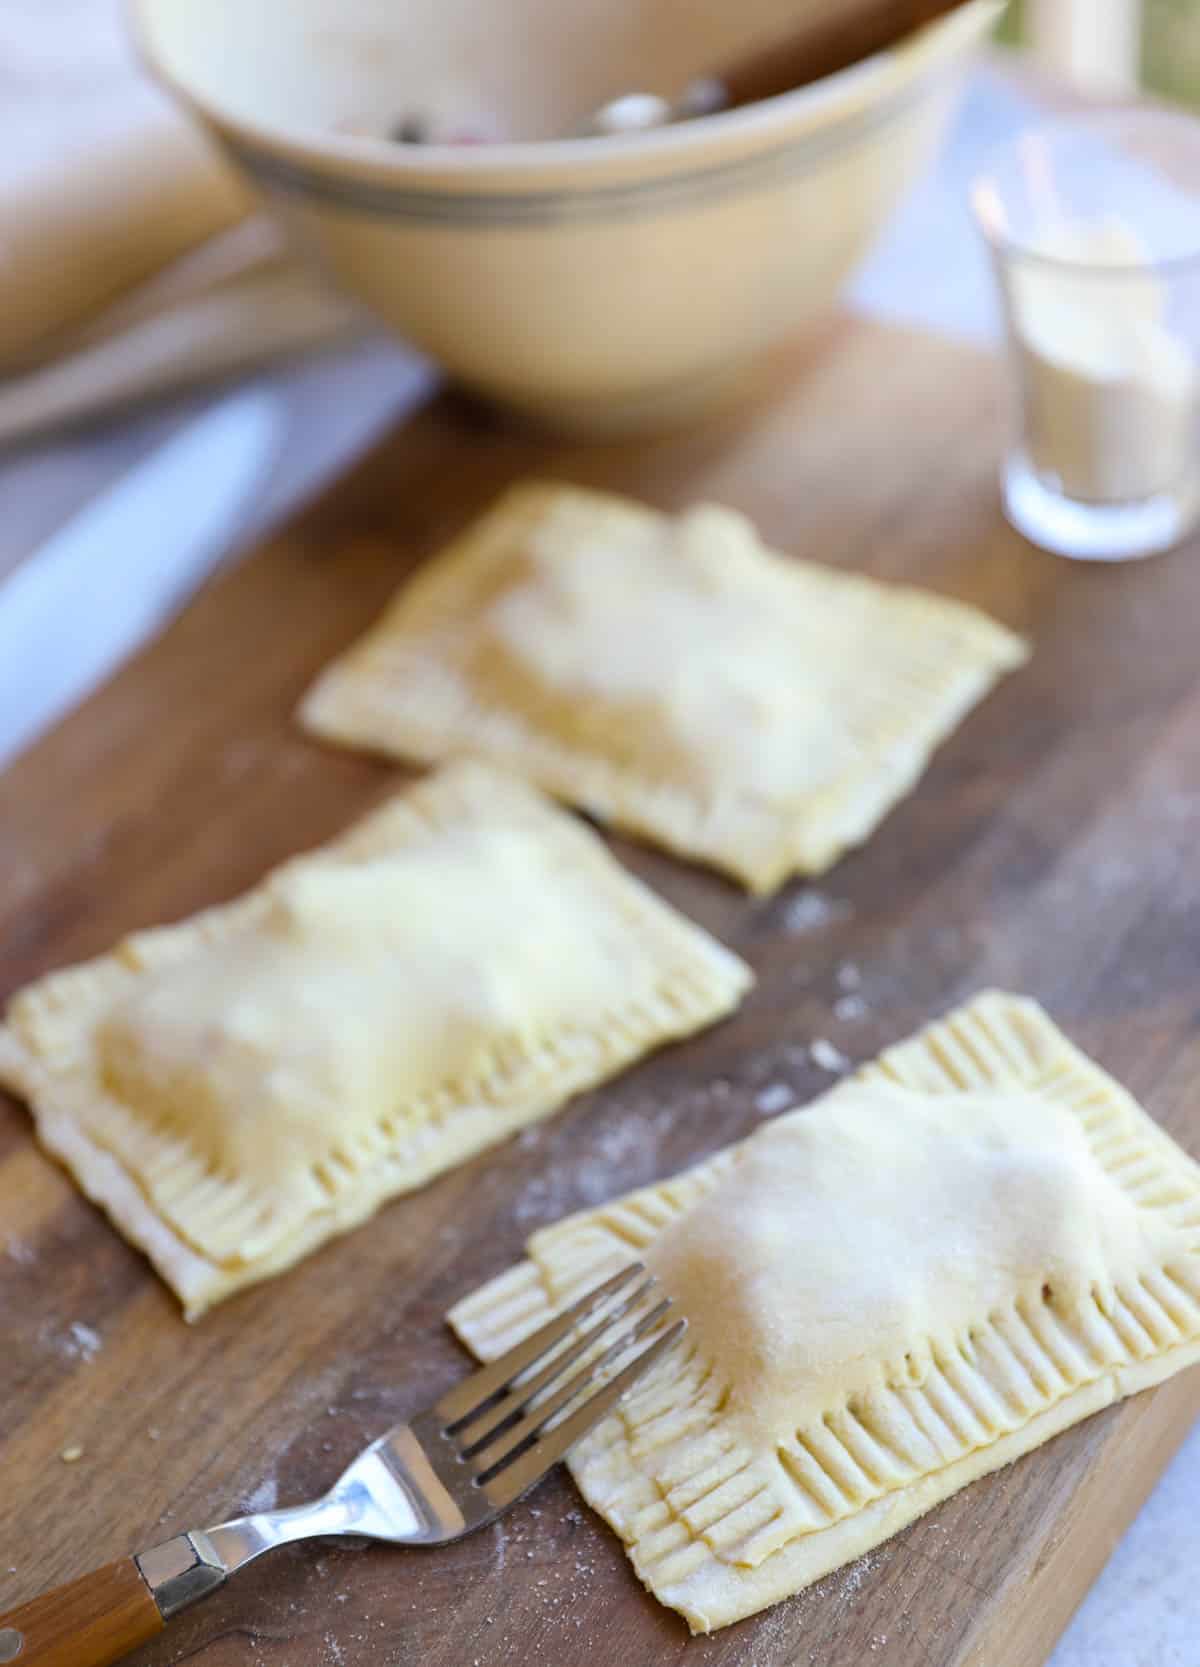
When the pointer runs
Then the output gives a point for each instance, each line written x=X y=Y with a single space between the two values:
x=467 y=1458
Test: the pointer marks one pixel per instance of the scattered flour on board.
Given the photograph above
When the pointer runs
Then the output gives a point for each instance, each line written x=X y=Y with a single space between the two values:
x=812 y=909
x=849 y=1008
x=848 y=976
x=775 y=1629
x=83 y=1342
x=618 y=1155
x=775 y=1097
x=1104 y=877
x=783 y=1626
x=854 y=1575
x=19 y=1252
x=264 y=1496
x=75 y=1342
x=829 y=1058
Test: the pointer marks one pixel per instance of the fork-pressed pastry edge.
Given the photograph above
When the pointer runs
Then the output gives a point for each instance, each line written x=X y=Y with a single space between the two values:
x=717 y=1564
x=403 y=689
x=694 y=981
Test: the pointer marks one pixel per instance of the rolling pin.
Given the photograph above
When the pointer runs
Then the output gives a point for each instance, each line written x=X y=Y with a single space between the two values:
x=75 y=238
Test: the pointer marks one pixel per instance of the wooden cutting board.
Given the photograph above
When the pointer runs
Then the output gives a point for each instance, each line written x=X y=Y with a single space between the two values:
x=1050 y=848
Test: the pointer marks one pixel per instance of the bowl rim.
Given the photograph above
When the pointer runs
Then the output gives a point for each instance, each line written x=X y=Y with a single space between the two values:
x=849 y=91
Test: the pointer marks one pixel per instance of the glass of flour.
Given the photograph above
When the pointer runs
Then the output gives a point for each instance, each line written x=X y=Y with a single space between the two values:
x=1094 y=229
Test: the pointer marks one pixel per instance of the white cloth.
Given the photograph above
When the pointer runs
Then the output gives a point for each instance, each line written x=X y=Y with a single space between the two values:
x=68 y=84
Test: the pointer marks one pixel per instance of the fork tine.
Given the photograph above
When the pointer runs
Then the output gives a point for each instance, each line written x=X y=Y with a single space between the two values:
x=470 y=1396
x=479 y=1428
x=511 y=1481
x=507 y=1444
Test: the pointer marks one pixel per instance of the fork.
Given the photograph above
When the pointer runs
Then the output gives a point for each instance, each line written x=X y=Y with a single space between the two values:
x=453 y=1468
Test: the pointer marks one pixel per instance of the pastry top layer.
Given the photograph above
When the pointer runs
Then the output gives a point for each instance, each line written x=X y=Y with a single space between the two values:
x=240 y=1086
x=976 y=1241
x=880 y=1217
x=670 y=674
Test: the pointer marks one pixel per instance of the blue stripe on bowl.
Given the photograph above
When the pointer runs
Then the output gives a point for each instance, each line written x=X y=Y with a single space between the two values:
x=599 y=202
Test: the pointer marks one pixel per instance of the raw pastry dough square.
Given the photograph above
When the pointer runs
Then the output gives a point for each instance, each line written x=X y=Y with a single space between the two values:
x=670 y=675
x=238 y=1088
x=977 y=1241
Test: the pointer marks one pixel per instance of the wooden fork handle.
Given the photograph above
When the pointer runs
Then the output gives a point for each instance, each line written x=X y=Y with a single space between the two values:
x=89 y=1622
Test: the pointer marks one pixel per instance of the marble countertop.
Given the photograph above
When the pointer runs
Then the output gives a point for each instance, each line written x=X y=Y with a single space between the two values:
x=1144 y=1611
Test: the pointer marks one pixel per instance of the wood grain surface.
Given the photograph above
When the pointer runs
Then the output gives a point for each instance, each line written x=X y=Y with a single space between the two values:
x=1050 y=848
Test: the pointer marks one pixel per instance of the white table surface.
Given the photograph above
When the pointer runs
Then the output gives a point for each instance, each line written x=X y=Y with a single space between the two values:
x=1145 y=1609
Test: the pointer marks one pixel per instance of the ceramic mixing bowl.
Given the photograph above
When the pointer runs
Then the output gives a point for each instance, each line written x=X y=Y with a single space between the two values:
x=598 y=283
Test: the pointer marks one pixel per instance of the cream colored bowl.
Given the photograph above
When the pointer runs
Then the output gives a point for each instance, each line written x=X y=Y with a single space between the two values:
x=604 y=283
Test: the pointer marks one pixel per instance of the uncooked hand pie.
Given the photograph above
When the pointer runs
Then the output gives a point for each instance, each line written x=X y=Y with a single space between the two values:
x=977 y=1241
x=670 y=675
x=240 y=1087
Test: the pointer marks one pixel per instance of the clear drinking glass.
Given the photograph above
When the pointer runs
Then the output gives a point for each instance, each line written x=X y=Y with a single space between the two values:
x=1094 y=228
